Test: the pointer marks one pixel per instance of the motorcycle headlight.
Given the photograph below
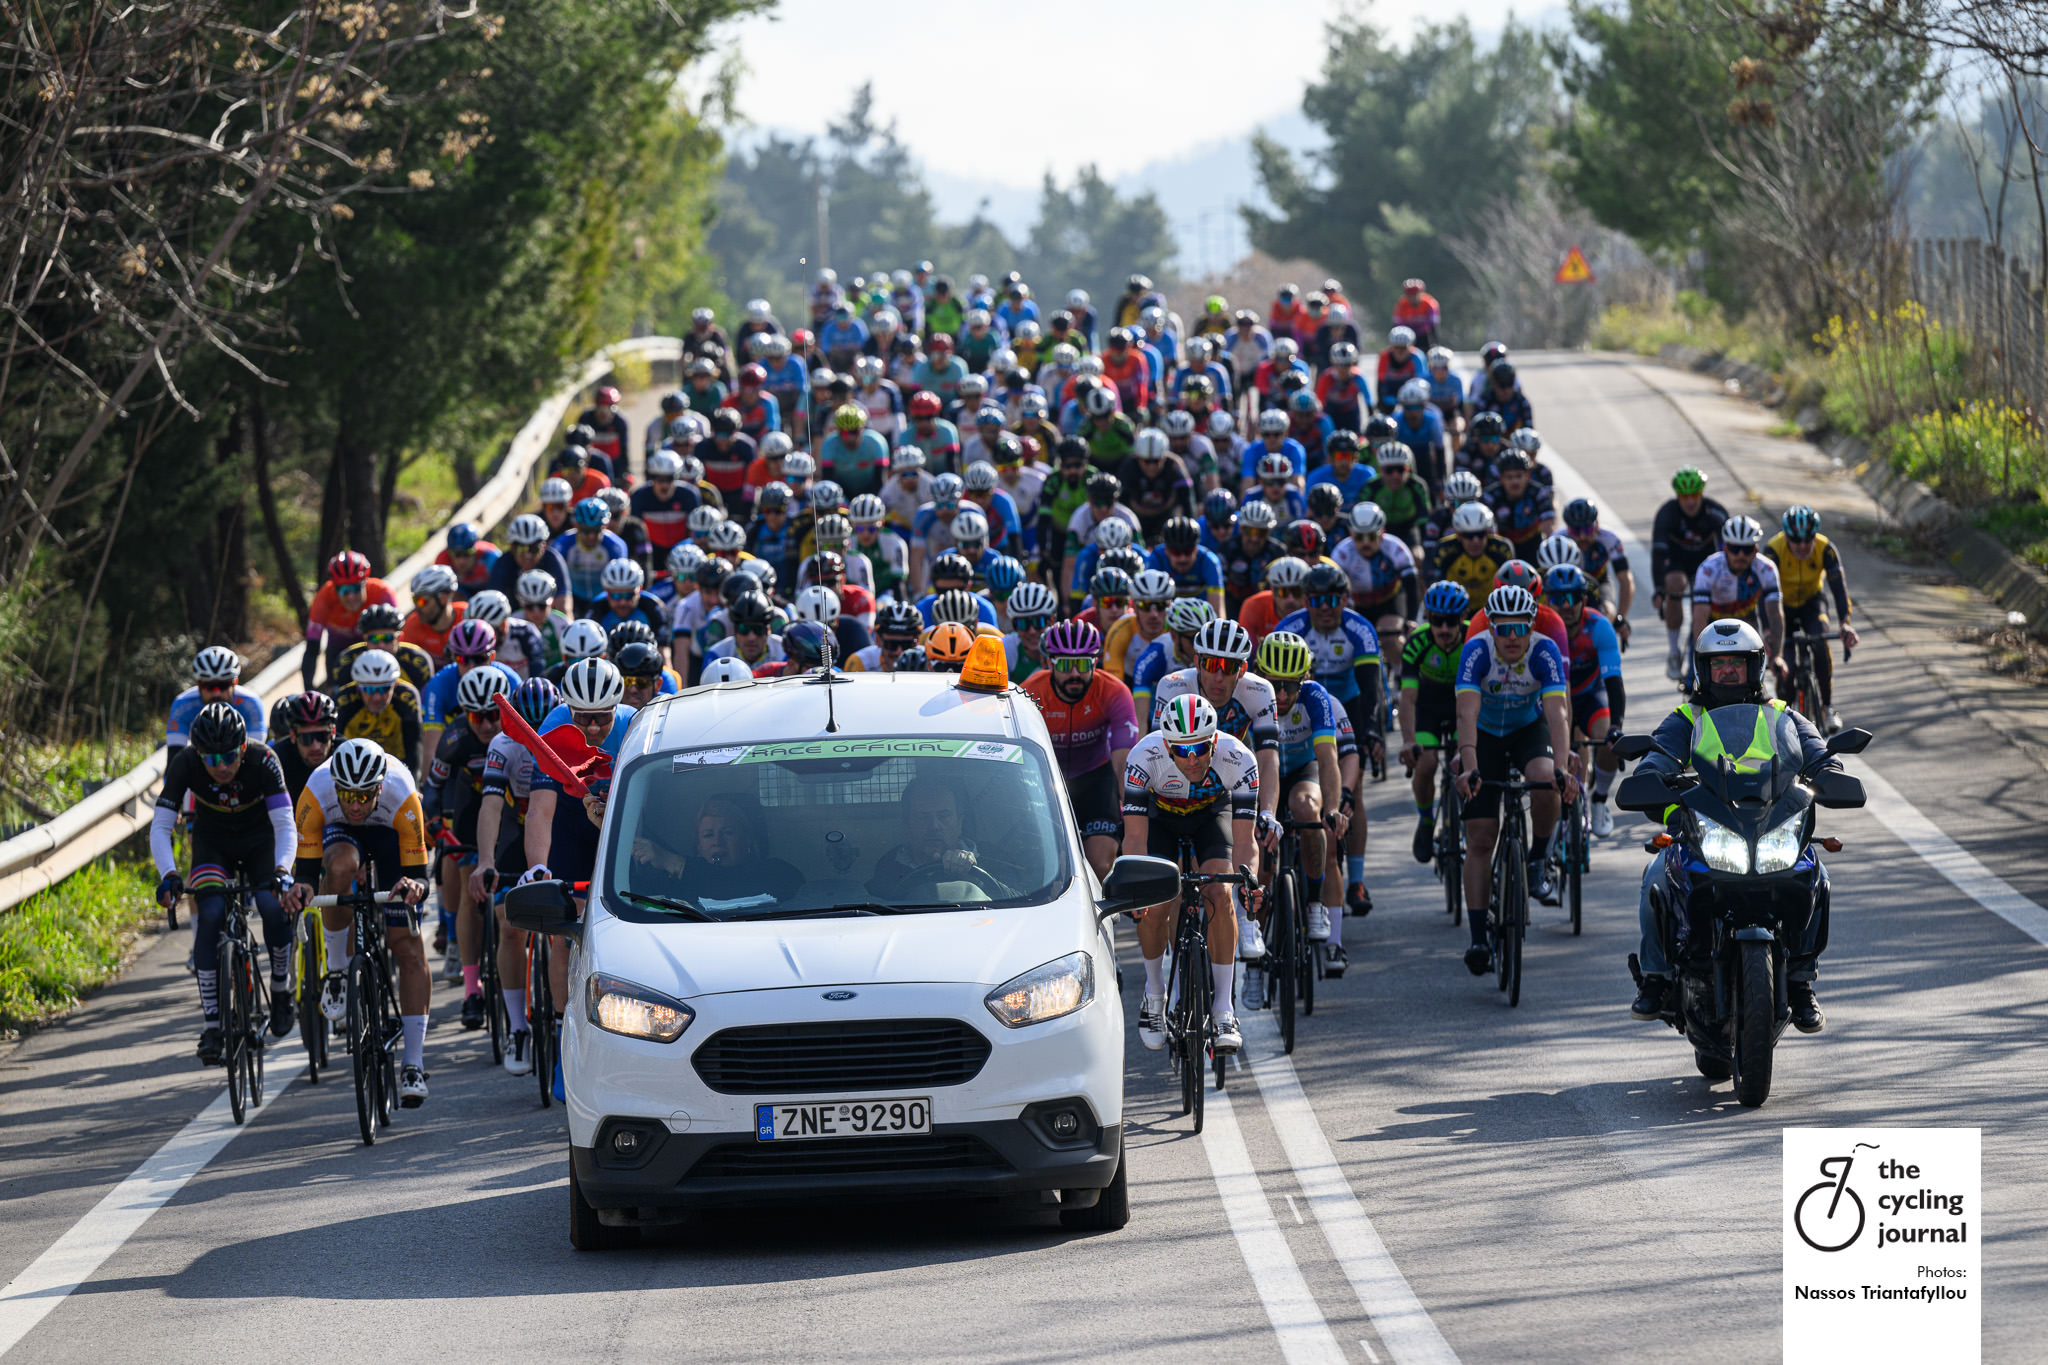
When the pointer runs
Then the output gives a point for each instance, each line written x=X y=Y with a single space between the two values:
x=1059 y=987
x=1781 y=848
x=1722 y=847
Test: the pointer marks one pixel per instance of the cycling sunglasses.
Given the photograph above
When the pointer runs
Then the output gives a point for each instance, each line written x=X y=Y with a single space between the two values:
x=348 y=589
x=1073 y=664
x=1199 y=749
x=381 y=640
x=313 y=736
x=623 y=596
x=1326 y=599
x=1286 y=684
x=592 y=719
x=1511 y=630
x=351 y=796
x=1219 y=663
x=219 y=760
x=1157 y=605
x=750 y=630
x=379 y=690
x=1738 y=549
x=1031 y=622
x=490 y=717
x=1446 y=620
x=1113 y=603
x=216 y=687
x=476 y=660
x=897 y=643
x=1566 y=599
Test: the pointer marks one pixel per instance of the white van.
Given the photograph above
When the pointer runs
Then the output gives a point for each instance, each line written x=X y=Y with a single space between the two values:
x=842 y=943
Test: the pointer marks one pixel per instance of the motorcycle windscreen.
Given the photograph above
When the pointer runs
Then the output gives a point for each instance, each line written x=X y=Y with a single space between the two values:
x=1748 y=739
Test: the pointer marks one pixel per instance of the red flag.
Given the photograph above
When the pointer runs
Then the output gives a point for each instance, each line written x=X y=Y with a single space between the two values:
x=563 y=754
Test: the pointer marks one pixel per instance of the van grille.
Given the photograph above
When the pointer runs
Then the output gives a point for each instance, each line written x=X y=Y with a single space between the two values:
x=854 y=1057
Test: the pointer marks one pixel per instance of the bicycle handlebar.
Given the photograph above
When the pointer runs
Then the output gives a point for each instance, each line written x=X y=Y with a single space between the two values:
x=1241 y=877
x=341 y=898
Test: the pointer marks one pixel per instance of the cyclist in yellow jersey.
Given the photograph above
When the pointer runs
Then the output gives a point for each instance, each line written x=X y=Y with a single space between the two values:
x=380 y=706
x=1472 y=554
x=360 y=826
x=1808 y=563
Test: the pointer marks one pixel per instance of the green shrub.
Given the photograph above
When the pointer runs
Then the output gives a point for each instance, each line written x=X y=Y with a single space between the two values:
x=61 y=943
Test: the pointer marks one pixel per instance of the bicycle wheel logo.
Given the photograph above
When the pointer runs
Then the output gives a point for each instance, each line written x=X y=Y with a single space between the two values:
x=1829 y=1216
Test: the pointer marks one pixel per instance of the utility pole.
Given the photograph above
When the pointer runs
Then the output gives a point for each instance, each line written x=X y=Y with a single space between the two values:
x=824 y=225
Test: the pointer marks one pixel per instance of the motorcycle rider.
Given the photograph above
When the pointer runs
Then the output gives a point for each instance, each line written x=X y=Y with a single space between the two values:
x=1731 y=660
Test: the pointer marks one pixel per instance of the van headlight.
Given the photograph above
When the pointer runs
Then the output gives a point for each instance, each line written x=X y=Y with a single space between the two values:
x=1722 y=847
x=1059 y=987
x=632 y=1011
x=1781 y=847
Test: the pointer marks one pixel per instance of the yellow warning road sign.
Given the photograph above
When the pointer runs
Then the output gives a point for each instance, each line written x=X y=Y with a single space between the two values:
x=1575 y=270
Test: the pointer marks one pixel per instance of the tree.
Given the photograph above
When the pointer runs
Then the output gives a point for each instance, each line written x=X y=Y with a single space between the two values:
x=1090 y=237
x=1421 y=144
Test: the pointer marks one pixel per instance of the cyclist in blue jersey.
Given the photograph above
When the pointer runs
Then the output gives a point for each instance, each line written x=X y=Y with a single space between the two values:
x=1347 y=664
x=472 y=644
x=1523 y=509
x=1343 y=470
x=1311 y=783
x=1196 y=572
x=1185 y=617
x=1276 y=488
x=1598 y=698
x=1512 y=691
x=586 y=549
x=1273 y=440
x=216 y=676
x=1219 y=521
x=1420 y=427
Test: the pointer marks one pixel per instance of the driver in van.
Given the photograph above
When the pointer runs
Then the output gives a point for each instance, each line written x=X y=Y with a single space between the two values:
x=725 y=864
x=931 y=839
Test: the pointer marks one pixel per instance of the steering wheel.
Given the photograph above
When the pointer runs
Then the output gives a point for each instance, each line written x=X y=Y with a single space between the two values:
x=932 y=873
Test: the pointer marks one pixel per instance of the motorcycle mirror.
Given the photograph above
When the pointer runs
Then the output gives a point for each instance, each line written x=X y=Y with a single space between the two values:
x=1837 y=791
x=1643 y=791
x=1633 y=747
x=1849 y=741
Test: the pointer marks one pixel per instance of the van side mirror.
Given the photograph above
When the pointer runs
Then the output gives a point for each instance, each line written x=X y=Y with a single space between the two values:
x=545 y=908
x=1837 y=791
x=1849 y=741
x=1633 y=747
x=1137 y=883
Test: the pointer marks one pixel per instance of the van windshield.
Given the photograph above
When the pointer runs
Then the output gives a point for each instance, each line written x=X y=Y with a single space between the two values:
x=874 y=825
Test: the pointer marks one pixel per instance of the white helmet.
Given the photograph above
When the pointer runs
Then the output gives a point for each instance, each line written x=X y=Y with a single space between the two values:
x=1151 y=444
x=1558 y=549
x=621 y=575
x=375 y=668
x=434 y=578
x=1221 y=425
x=832 y=531
x=1272 y=422
x=1224 y=637
x=1257 y=515
x=1077 y=298
x=358 y=765
x=1415 y=391
x=703 y=517
x=758 y=310
x=1401 y=336
x=1442 y=353
x=868 y=370
x=1527 y=441
x=827 y=496
x=1152 y=585
x=479 y=686
x=727 y=537
x=1367 y=518
x=1472 y=517
x=683 y=561
x=593 y=685
x=980 y=477
x=666 y=464
x=1090 y=364
x=1186 y=615
x=958 y=605
x=799 y=465
x=731 y=668
x=969 y=527
x=1032 y=599
x=1343 y=353
x=491 y=607
x=1187 y=719
x=758 y=568
x=1510 y=602
x=527 y=529
x=535 y=587
x=1101 y=400
x=867 y=510
x=1198 y=351
x=216 y=663
x=1113 y=534
x=1180 y=423
x=816 y=603
x=775 y=443
x=1286 y=572
x=556 y=492
x=1285 y=349
x=1741 y=530
x=1462 y=486
x=1275 y=466
x=584 y=639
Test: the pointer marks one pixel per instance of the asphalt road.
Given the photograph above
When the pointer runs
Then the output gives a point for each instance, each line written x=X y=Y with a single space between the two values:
x=1432 y=1176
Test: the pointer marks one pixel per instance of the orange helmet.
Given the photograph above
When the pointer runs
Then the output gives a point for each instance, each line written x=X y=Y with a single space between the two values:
x=947 y=648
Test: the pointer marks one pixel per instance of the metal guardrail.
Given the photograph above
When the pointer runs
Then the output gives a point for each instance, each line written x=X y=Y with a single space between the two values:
x=45 y=855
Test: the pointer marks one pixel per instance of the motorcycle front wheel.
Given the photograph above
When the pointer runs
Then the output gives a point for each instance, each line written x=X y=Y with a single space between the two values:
x=1755 y=1023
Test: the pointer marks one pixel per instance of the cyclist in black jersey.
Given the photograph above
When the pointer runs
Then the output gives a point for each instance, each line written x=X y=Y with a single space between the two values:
x=1687 y=530
x=302 y=728
x=1428 y=703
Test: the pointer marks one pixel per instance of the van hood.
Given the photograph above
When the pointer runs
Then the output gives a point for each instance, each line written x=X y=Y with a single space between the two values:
x=982 y=947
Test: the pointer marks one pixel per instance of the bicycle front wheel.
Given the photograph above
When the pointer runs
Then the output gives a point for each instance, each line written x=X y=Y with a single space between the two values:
x=1283 y=971
x=234 y=1021
x=365 y=1043
x=312 y=1023
x=542 y=997
x=494 y=994
x=1577 y=855
x=1514 y=911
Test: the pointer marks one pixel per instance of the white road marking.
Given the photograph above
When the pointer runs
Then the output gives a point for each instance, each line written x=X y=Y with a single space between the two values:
x=1370 y=1354
x=1299 y=1324
x=1404 y=1325
x=72 y=1258
x=1947 y=857
x=1294 y=1208
x=1907 y=824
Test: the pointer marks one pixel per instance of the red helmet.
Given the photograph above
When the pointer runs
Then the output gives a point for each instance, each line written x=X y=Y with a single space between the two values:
x=753 y=374
x=941 y=342
x=350 y=566
x=608 y=395
x=802 y=339
x=924 y=403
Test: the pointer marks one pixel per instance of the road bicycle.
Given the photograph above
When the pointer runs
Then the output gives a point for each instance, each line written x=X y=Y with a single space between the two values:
x=244 y=996
x=1574 y=855
x=493 y=988
x=1291 y=963
x=1190 y=988
x=1802 y=686
x=1449 y=854
x=309 y=966
x=374 y=1032
x=1508 y=918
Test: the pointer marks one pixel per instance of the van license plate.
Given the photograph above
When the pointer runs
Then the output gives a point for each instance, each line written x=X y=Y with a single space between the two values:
x=842 y=1118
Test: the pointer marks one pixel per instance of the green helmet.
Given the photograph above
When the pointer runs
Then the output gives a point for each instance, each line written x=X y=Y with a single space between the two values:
x=1688 y=482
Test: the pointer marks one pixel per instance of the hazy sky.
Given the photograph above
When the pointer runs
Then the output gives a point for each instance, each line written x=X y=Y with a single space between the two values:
x=977 y=91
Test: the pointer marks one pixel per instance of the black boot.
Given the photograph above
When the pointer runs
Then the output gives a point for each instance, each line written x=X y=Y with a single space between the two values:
x=1649 y=1002
x=1806 y=1015
x=210 y=1045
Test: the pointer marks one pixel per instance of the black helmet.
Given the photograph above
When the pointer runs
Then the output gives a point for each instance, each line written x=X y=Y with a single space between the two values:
x=750 y=608
x=582 y=434
x=724 y=422
x=1580 y=513
x=627 y=633
x=1183 y=533
x=1110 y=581
x=1511 y=460
x=1071 y=448
x=1380 y=428
x=1325 y=578
x=1125 y=558
x=773 y=496
x=808 y=645
x=736 y=585
x=379 y=617
x=898 y=620
x=573 y=456
x=952 y=565
x=912 y=660
x=1502 y=372
x=712 y=572
x=218 y=729
x=637 y=659
x=1303 y=539
x=1488 y=426
x=1104 y=488
x=1325 y=500
x=1341 y=440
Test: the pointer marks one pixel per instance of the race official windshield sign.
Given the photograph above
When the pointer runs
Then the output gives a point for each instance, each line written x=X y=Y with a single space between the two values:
x=1883 y=1244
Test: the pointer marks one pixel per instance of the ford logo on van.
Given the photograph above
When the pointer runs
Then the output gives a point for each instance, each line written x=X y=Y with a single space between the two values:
x=840 y=995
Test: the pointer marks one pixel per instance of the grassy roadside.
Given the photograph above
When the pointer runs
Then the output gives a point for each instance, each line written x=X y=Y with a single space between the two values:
x=65 y=942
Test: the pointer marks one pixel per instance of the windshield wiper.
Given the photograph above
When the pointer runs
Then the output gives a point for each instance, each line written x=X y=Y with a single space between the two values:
x=672 y=904
x=863 y=910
